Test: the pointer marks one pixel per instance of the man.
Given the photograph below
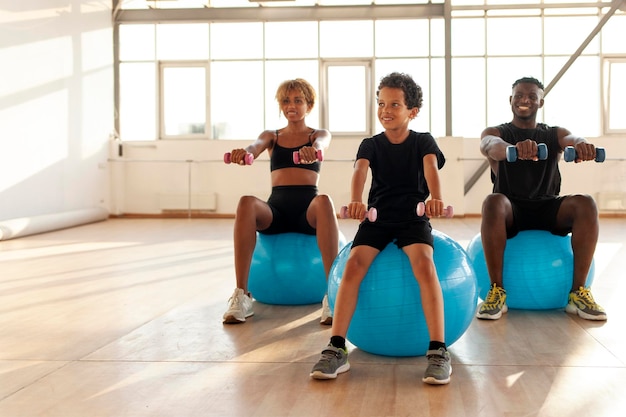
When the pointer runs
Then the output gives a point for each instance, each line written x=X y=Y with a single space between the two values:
x=526 y=197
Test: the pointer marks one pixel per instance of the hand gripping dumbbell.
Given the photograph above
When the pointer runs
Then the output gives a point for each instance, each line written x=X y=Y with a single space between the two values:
x=296 y=156
x=370 y=215
x=542 y=152
x=570 y=154
x=247 y=160
x=421 y=209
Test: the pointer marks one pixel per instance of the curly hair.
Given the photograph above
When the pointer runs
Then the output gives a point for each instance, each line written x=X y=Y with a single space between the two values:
x=297 y=84
x=528 y=80
x=413 y=95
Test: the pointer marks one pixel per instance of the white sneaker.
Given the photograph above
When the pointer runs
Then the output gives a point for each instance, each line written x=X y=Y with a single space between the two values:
x=239 y=307
x=327 y=315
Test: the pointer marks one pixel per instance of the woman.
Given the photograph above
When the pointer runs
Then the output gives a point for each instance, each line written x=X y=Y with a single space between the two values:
x=294 y=204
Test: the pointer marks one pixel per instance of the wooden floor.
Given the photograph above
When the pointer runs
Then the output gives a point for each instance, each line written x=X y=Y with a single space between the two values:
x=123 y=318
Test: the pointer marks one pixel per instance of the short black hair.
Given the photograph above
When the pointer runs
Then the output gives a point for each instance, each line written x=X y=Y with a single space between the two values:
x=413 y=96
x=529 y=80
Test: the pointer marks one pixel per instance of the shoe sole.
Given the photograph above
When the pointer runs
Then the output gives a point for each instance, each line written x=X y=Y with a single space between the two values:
x=235 y=320
x=321 y=375
x=572 y=309
x=433 y=381
x=487 y=316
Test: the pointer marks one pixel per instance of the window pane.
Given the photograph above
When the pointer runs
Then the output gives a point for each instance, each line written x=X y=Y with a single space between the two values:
x=236 y=108
x=437 y=97
x=613 y=35
x=514 y=36
x=184 y=41
x=437 y=37
x=616 y=96
x=236 y=40
x=345 y=39
x=468 y=37
x=563 y=35
x=184 y=100
x=137 y=102
x=574 y=102
x=388 y=33
x=278 y=71
x=501 y=73
x=468 y=97
x=137 y=42
x=291 y=40
x=418 y=69
x=347 y=99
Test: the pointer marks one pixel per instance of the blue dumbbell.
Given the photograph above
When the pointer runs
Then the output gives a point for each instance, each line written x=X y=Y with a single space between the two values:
x=570 y=154
x=542 y=152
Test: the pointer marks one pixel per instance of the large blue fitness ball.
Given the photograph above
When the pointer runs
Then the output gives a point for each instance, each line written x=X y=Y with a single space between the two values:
x=538 y=269
x=389 y=319
x=287 y=269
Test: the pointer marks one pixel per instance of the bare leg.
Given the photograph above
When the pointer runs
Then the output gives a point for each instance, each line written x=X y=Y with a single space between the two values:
x=322 y=217
x=581 y=214
x=359 y=261
x=252 y=214
x=423 y=266
x=497 y=215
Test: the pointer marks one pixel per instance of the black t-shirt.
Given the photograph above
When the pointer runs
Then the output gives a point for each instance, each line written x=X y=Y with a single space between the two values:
x=529 y=180
x=398 y=181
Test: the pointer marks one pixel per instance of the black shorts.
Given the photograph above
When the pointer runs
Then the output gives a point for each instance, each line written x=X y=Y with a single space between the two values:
x=536 y=215
x=289 y=204
x=403 y=234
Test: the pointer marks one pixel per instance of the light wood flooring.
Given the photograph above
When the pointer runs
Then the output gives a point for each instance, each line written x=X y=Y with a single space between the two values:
x=123 y=318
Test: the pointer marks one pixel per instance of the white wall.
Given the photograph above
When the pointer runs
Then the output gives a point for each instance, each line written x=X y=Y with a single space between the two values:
x=153 y=176
x=56 y=106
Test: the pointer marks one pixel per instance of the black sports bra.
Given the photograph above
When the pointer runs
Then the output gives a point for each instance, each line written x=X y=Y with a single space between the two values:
x=283 y=157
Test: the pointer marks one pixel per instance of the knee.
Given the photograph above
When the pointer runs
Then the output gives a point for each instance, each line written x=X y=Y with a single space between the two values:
x=323 y=204
x=585 y=206
x=495 y=204
x=246 y=203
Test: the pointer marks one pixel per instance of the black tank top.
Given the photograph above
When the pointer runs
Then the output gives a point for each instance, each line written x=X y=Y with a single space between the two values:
x=283 y=157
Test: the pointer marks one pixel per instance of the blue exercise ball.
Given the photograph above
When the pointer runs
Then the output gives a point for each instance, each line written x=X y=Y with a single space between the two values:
x=538 y=269
x=388 y=319
x=287 y=269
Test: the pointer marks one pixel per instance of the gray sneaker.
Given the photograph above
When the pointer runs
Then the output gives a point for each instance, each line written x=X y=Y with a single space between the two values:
x=439 y=367
x=333 y=361
x=239 y=307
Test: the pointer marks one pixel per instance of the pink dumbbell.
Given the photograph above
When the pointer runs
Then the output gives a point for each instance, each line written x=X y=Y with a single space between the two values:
x=248 y=159
x=370 y=215
x=421 y=208
x=296 y=156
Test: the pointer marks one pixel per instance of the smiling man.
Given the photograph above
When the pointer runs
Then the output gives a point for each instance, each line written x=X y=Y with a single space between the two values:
x=526 y=197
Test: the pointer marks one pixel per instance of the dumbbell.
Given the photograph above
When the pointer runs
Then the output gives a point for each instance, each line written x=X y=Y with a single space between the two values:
x=370 y=215
x=570 y=155
x=421 y=209
x=248 y=159
x=542 y=152
x=296 y=156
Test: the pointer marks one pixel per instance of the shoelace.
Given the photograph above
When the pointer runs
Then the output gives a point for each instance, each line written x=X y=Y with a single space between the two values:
x=492 y=297
x=585 y=295
x=437 y=360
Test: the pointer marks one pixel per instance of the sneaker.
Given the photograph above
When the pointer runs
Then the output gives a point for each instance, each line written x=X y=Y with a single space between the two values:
x=333 y=361
x=327 y=315
x=439 y=367
x=239 y=307
x=581 y=302
x=494 y=305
